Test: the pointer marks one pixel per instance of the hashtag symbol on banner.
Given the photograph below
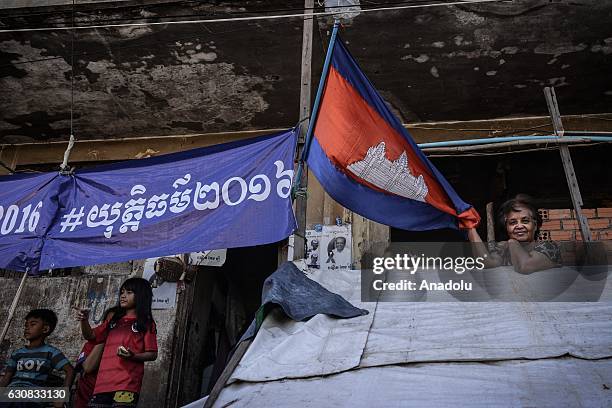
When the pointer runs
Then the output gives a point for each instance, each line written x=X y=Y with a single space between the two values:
x=72 y=220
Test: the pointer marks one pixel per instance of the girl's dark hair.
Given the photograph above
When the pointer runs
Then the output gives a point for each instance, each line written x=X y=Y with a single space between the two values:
x=109 y=311
x=515 y=204
x=144 y=298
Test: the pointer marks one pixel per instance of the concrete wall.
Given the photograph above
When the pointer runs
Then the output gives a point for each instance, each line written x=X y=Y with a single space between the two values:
x=96 y=290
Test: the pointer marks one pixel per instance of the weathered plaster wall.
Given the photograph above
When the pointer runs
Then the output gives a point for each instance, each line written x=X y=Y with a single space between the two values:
x=96 y=290
x=135 y=81
x=440 y=63
x=8 y=4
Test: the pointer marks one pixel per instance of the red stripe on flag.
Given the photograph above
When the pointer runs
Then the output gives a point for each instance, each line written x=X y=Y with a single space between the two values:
x=347 y=126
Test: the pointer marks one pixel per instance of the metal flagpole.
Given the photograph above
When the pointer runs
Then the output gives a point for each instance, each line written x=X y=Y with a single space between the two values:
x=315 y=108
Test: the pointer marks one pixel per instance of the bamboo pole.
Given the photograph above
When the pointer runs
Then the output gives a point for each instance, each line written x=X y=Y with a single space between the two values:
x=11 y=312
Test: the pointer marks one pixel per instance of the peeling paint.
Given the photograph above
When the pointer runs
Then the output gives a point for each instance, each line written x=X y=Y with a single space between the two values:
x=552 y=61
x=520 y=86
x=226 y=77
x=491 y=73
x=134 y=32
x=510 y=50
x=557 y=82
x=125 y=98
x=194 y=58
x=420 y=59
x=423 y=18
x=556 y=49
x=459 y=41
x=147 y=14
x=605 y=49
x=99 y=67
x=467 y=17
x=485 y=38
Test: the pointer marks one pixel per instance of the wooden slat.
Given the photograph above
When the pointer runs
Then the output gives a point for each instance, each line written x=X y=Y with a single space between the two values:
x=227 y=372
x=102 y=150
x=568 y=166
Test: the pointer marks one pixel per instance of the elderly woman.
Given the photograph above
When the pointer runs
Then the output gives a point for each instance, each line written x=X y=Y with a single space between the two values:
x=521 y=222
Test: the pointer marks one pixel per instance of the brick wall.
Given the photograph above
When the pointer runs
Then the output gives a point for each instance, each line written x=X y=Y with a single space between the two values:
x=562 y=225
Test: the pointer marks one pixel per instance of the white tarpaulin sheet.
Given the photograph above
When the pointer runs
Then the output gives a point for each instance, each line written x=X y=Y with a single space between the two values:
x=284 y=348
x=554 y=383
x=412 y=332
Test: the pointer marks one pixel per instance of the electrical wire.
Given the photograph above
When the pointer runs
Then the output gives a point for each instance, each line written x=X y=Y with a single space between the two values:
x=252 y=18
x=214 y=12
x=116 y=48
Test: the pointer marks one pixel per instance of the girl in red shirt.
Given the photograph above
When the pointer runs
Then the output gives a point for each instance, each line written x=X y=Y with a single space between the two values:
x=129 y=339
x=87 y=364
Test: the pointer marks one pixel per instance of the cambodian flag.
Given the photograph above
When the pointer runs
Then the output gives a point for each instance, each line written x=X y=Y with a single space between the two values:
x=367 y=161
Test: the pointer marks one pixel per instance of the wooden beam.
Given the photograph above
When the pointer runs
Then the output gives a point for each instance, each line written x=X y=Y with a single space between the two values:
x=102 y=150
x=118 y=149
x=568 y=166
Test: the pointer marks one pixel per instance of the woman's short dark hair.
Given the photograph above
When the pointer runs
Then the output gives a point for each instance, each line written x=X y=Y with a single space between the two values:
x=515 y=204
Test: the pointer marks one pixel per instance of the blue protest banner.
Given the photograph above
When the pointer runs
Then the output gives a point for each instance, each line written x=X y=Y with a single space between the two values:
x=230 y=195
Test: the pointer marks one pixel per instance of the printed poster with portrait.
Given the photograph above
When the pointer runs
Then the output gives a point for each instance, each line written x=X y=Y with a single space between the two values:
x=164 y=293
x=335 y=247
x=313 y=249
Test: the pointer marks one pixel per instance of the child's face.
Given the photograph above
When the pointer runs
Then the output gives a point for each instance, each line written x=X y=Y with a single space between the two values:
x=35 y=328
x=127 y=299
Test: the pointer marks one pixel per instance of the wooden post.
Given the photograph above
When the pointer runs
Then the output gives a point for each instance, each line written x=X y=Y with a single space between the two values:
x=11 y=312
x=227 y=372
x=490 y=223
x=568 y=167
x=179 y=344
x=300 y=201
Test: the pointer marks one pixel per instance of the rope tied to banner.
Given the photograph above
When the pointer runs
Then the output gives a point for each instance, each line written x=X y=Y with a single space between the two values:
x=64 y=168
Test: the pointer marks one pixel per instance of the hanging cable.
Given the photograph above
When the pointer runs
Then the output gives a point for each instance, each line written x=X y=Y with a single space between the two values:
x=364 y=8
x=233 y=19
x=54 y=14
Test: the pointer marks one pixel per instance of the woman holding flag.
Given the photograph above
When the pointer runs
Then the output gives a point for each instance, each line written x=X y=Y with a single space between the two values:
x=521 y=222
